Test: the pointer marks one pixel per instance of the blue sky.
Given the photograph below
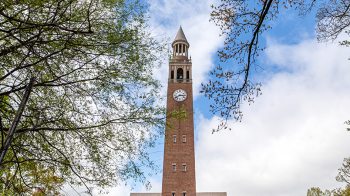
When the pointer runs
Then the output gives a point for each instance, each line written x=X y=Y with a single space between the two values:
x=293 y=137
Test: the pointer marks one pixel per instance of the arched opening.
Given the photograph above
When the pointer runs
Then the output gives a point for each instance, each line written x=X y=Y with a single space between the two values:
x=180 y=74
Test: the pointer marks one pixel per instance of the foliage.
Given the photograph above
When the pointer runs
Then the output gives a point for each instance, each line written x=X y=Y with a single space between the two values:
x=92 y=112
x=35 y=177
x=347 y=123
x=243 y=23
x=315 y=191
x=344 y=172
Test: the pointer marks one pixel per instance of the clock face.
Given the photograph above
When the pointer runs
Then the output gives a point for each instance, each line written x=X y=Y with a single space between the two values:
x=179 y=95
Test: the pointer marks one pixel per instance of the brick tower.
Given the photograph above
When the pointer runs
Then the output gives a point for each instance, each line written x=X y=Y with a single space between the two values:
x=179 y=177
x=179 y=162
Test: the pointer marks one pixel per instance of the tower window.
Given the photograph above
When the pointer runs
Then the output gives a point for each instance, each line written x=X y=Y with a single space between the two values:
x=180 y=74
x=174 y=138
x=184 y=140
x=172 y=74
x=174 y=167
x=187 y=74
x=183 y=193
x=184 y=167
x=172 y=193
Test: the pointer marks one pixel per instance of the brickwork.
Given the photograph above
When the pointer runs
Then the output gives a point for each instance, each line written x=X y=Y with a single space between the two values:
x=179 y=152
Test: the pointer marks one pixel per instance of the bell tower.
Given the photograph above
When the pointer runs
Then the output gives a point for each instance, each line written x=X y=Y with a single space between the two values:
x=179 y=177
x=179 y=160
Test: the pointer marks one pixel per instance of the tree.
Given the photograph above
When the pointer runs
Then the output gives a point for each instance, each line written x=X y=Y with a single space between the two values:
x=93 y=108
x=43 y=180
x=344 y=172
x=243 y=23
x=315 y=191
x=347 y=123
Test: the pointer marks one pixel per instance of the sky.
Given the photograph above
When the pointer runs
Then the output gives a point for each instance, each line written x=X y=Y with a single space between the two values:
x=293 y=137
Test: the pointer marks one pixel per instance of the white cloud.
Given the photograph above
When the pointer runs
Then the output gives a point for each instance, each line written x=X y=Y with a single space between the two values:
x=293 y=137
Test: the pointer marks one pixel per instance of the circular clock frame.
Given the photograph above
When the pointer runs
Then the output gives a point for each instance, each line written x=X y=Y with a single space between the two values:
x=179 y=95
